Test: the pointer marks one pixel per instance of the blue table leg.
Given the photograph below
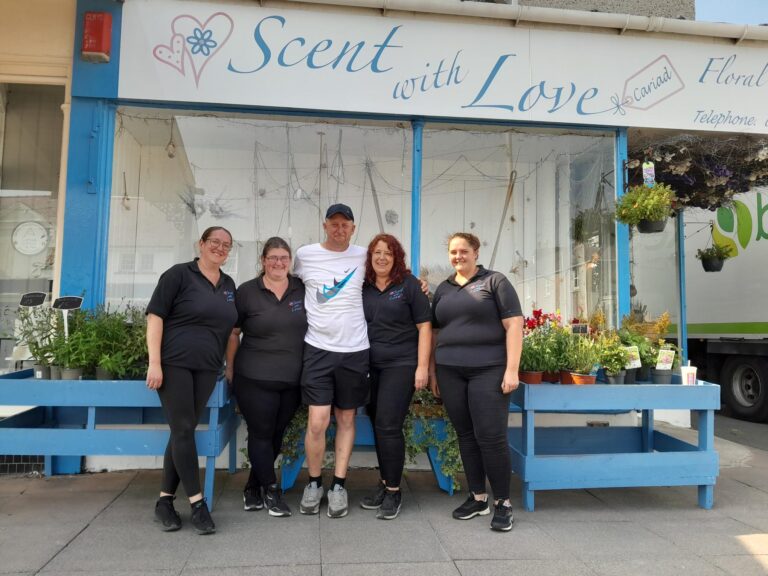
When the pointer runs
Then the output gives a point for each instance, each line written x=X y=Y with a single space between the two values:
x=210 y=471
x=529 y=453
x=706 y=443
x=647 y=437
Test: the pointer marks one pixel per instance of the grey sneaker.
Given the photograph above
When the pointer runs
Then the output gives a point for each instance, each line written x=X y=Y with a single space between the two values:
x=337 y=502
x=310 y=500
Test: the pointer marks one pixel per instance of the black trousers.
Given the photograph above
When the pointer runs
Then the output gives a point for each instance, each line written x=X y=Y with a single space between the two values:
x=183 y=395
x=479 y=411
x=391 y=394
x=268 y=408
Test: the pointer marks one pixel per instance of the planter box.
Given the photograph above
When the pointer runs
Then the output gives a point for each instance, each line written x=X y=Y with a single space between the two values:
x=62 y=431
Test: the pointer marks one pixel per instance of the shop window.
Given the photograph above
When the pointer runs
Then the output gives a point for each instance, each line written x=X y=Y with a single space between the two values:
x=176 y=173
x=541 y=203
x=30 y=158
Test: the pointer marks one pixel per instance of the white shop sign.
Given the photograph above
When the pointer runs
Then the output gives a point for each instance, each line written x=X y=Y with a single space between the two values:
x=279 y=56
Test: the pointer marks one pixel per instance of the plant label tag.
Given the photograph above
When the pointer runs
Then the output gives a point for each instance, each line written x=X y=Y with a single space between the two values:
x=665 y=359
x=634 y=358
x=649 y=174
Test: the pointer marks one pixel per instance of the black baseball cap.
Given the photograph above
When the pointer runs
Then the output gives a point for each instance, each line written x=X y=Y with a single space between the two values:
x=342 y=209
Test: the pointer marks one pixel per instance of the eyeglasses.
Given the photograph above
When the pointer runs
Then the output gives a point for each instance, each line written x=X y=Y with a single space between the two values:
x=276 y=259
x=219 y=245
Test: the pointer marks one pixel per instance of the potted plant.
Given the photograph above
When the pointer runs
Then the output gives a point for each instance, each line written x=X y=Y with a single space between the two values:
x=37 y=331
x=559 y=339
x=613 y=357
x=646 y=208
x=713 y=257
x=581 y=356
x=534 y=356
x=664 y=376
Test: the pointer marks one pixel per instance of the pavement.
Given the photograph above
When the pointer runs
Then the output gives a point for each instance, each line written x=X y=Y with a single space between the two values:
x=102 y=524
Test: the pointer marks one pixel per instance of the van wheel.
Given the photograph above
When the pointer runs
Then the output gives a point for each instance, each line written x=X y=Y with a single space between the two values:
x=744 y=387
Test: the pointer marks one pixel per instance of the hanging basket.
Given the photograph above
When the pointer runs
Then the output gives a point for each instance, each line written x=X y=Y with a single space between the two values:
x=651 y=226
x=712 y=264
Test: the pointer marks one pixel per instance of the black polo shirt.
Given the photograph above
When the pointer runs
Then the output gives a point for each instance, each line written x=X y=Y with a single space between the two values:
x=469 y=318
x=198 y=317
x=273 y=331
x=392 y=316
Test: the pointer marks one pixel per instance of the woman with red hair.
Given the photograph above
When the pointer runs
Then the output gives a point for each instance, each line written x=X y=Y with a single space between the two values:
x=399 y=330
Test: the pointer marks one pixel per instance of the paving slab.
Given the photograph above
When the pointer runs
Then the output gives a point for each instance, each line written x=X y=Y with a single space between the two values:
x=241 y=542
x=742 y=565
x=29 y=507
x=474 y=540
x=128 y=546
x=314 y=570
x=610 y=540
x=29 y=547
x=654 y=566
x=715 y=536
x=379 y=541
x=573 y=567
x=392 y=569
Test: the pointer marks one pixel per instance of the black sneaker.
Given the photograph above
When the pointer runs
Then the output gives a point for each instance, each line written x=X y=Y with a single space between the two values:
x=374 y=500
x=502 y=517
x=201 y=518
x=273 y=500
x=390 y=506
x=166 y=515
x=252 y=498
x=471 y=508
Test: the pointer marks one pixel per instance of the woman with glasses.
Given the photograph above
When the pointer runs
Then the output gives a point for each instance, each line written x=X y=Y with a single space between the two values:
x=400 y=335
x=267 y=368
x=190 y=318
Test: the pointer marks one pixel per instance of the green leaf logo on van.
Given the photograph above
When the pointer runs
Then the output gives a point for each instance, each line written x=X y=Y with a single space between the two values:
x=733 y=224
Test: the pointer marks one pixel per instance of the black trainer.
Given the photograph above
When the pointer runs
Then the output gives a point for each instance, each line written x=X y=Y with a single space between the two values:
x=166 y=515
x=201 y=518
x=502 y=517
x=252 y=498
x=374 y=500
x=471 y=508
x=273 y=501
x=390 y=506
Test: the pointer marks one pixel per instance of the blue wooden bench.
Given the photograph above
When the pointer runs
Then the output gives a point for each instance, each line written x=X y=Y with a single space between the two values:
x=582 y=457
x=364 y=438
x=41 y=431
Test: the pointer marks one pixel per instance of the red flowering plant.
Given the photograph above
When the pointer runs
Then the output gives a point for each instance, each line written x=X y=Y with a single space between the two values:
x=540 y=318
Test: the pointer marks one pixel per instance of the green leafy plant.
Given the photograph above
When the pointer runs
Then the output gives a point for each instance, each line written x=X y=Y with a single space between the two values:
x=37 y=330
x=535 y=356
x=644 y=203
x=581 y=354
x=613 y=356
x=558 y=342
x=714 y=252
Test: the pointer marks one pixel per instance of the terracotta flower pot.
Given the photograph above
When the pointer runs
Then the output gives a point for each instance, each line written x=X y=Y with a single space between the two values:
x=581 y=379
x=565 y=377
x=530 y=377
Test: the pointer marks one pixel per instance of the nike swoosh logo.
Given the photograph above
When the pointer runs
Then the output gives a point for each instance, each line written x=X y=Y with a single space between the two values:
x=328 y=293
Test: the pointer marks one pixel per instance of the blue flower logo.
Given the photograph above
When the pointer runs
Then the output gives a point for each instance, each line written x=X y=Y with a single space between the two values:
x=201 y=41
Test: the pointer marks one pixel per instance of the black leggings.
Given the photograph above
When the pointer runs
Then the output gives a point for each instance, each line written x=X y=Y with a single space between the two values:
x=183 y=395
x=268 y=408
x=391 y=393
x=479 y=411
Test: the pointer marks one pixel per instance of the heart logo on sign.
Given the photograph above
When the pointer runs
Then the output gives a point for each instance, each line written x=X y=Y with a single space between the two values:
x=195 y=41
x=172 y=55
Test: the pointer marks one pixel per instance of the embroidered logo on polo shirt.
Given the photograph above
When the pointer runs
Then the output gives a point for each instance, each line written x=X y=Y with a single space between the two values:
x=338 y=286
x=479 y=287
x=229 y=295
x=296 y=305
x=396 y=294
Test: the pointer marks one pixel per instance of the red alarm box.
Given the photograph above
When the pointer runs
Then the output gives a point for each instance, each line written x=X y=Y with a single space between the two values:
x=97 y=37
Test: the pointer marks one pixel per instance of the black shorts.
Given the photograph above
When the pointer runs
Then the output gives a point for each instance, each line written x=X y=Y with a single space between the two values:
x=334 y=378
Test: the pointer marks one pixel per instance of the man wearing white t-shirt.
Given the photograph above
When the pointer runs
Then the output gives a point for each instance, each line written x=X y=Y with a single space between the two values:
x=335 y=353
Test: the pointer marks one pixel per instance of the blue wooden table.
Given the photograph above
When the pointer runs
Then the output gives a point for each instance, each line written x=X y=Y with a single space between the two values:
x=113 y=402
x=616 y=456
